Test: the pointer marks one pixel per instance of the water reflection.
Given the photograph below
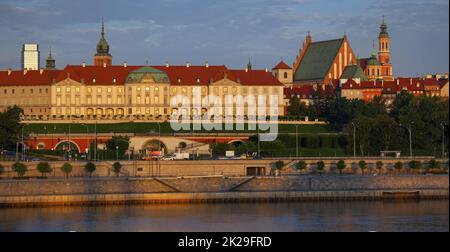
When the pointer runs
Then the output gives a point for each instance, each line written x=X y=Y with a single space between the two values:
x=298 y=216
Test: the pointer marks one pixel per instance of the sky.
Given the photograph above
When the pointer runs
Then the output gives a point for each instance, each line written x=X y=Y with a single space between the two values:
x=225 y=32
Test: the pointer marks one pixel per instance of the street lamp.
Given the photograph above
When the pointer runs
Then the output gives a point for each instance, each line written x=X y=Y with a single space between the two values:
x=410 y=138
x=296 y=140
x=443 y=140
x=117 y=153
x=23 y=144
x=354 y=139
x=259 y=147
x=87 y=137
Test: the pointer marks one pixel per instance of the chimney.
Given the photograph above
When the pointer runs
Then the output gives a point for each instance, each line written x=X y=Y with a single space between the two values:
x=267 y=70
x=125 y=64
x=246 y=69
x=84 y=63
x=41 y=71
x=9 y=71
x=410 y=81
x=382 y=82
x=398 y=81
x=207 y=64
x=188 y=64
x=25 y=71
x=167 y=64
x=104 y=64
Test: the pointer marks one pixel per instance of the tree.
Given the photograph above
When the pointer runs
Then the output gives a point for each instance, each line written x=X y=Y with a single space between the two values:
x=122 y=142
x=415 y=165
x=2 y=170
x=89 y=168
x=279 y=165
x=20 y=169
x=67 y=169
x=341 y=166
x=116 y=168
x=379 y=165
x=434 y=164
x=320 y=166
x=398 y=166
x=301 y=165
x=362 y=165
x=10 y=127
x=294 y=106
x=44 y=167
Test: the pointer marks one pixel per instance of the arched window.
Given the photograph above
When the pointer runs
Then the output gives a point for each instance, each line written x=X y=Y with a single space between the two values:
x=285 y=75
x=378 y=72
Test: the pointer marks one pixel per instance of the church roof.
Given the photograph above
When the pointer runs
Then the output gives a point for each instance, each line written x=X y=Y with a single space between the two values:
x=281 y=65
x=352 y=72
x=318 y=59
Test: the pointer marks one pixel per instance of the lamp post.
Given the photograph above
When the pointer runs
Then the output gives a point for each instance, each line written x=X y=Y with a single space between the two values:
x=117 y=153
x=23 y=143
x=259 y=146
x=296 y=140
x=354 y=139
x=159 y=135
x=87 y=138
x=410 y=138
x=443 y=140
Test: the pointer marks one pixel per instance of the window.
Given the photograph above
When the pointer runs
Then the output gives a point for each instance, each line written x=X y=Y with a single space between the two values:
x=173 y=91
x=31 y=91
x=285 y=75
x=109 y=100
x=13 y=91
x=156 y=100
x=147 y=99
x=378 y=72
x=147 y=111
x=67 y=89
x=89 y=100
x=183 y=90
x=99 y=90
x=120 y=90
x=138 y=99
x=46 y=90
x=99 y=99
x=234 y=90
x=68 y=100
x=77 y=100
x=40 y=90
x=109 y=90
x=119 y=100
x=58 y=100
x=156 y=89
x=23 y=91
x=216 y=90
x=6 y=91
x=138 y=89
x=89 y=90
x=147 y=89
x=225 y=90
x=77 y=89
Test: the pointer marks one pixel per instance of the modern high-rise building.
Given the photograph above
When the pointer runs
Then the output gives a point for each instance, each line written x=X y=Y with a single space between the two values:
x=30 y=57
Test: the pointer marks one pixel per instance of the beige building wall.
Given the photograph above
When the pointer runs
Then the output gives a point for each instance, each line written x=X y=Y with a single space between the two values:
x=35 y=100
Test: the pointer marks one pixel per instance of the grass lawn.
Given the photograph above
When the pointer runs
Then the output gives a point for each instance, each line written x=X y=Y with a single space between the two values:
x=142 y=128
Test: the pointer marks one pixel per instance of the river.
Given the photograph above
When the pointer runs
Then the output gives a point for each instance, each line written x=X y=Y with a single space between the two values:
x=364 y=216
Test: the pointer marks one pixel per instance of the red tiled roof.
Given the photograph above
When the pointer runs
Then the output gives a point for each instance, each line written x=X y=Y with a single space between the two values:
x=28 y=78
x=100 y=75
x=303 y=90
x=281 y=65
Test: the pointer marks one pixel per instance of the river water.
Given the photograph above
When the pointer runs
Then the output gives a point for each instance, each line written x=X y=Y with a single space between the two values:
x=342 y=216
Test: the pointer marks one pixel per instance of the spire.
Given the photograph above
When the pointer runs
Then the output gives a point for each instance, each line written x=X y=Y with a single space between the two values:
x=103 y=27
x=383 y=28
x=374 y=52
x=50 y=62
x=102 y=45
x=249 y=64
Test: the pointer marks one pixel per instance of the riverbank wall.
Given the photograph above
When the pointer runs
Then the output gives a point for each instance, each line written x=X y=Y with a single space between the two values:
x=99 y=191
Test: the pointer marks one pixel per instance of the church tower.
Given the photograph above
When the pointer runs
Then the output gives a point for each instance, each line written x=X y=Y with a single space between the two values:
x=102 y=57
x=384 y=51
x=50 y=62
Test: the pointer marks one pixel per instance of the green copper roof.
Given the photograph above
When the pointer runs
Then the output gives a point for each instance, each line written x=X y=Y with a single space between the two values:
x=373 y=61
x=147 y=74
x=352 y=72
x=318 y=59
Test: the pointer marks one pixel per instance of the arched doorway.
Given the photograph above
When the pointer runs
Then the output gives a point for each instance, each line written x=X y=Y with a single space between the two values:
x=67 y=145
x=154 y=145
